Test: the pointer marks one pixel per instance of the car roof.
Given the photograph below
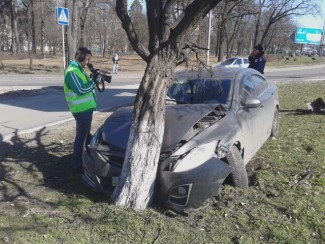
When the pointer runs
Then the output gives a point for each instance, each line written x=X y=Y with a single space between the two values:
x=216 y=71
x=235 y=58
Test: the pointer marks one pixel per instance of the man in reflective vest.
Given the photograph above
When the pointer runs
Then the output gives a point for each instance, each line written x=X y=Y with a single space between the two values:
x=81 y=98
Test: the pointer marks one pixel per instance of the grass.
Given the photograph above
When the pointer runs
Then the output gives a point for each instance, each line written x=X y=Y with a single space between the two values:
x=41 y=202
x=286 y=61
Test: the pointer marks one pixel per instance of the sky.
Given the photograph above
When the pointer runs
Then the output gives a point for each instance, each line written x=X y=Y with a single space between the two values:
x=303 y=21
x=312 y=22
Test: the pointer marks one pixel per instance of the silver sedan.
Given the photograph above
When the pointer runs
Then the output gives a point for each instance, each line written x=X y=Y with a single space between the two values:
x=215 y=123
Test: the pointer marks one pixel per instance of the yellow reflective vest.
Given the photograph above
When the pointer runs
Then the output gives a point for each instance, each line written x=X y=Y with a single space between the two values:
x=78 y=89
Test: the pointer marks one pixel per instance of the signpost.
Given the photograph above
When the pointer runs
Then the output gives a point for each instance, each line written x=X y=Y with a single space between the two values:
x=62 y=17
x=308 y=36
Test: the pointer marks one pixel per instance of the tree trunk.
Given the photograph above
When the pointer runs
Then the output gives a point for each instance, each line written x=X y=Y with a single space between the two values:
x=136 y=184
x=220 y=40
x=29 y=51
x=72 y=29
x=83 y=17
x=82 y=33
x=1 y=64
x=33 y=27
x=42 y=29
x=258 y=22
x=14 y=29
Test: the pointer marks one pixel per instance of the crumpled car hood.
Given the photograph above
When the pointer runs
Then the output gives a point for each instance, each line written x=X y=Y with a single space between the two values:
x=178 y=120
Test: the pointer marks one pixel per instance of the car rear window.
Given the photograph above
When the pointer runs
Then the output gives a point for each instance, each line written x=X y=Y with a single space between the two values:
x=200 y=91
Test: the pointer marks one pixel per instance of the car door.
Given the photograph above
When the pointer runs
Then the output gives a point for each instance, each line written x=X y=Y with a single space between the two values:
x=246 y=63
x=251 y=119
x=238 y=62
x=267 y=104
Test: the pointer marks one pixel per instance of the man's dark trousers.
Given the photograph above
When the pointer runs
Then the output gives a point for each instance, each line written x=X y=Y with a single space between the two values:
x=83 y=125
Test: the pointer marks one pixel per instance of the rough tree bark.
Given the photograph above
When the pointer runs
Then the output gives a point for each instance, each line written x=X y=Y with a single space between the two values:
x=15 y=48
x=135 y=187
x=72 y=30
x=42 y=29
x=32 y=15
x=83 y=18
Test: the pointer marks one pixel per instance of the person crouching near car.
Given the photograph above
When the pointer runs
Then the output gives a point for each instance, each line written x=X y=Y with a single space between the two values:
x=81 y=98
x=257 y=59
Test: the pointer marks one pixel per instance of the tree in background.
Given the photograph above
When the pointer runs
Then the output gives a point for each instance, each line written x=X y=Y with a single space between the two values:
x=10 y=7
x=94 y=23
x=71 y=31
x=139 y=21
x=270 y=12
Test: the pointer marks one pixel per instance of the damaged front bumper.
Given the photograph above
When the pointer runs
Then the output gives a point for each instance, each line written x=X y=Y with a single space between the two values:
x=185 y=180
x=190 y=188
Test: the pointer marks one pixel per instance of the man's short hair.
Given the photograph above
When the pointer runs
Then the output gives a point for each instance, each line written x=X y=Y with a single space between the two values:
x=82 y=53
x=259 y=47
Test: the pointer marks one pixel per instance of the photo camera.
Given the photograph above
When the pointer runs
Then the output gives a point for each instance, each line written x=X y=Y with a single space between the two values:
x=100 y=77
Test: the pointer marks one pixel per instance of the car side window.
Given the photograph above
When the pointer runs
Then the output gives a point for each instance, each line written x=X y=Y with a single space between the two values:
x=247 y=90
x=245 y=61
x=260 y=84
x=238 y=61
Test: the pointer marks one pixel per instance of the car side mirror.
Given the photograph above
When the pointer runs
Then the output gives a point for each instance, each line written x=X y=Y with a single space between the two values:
x=252 y=102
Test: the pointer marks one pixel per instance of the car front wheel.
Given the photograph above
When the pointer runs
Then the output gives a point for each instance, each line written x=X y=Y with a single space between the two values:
x=238 y=176
x=275 y=124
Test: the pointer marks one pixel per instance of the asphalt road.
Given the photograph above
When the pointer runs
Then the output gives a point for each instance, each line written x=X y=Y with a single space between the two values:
x=26 y=113
x=295 y=74
x=273 y=74
x=22 y=80
x=29 y=113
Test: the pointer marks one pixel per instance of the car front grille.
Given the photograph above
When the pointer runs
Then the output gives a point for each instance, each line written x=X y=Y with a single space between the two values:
x=111 y=153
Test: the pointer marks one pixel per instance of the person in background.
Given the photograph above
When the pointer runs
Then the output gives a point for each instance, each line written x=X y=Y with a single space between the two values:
x=115 y=63
x=257 y=59
x=81 y=98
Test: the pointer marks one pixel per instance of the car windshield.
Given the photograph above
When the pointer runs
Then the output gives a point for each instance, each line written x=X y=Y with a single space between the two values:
x=200 y=91
x=228 y=61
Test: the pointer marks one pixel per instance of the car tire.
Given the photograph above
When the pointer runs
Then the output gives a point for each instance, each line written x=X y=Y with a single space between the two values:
x=238 y=176
x=275 y=131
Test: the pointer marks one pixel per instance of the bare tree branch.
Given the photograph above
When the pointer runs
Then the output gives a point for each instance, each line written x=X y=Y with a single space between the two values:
x=194 y=12
x=122 y=13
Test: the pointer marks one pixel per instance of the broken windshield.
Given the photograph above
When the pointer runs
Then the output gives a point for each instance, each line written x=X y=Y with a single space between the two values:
x=200 y=91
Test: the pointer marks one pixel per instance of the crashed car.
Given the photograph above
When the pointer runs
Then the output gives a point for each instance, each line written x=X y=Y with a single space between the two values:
x=215 y=122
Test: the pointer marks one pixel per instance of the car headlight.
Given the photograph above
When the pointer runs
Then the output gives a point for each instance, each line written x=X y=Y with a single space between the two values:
x=93 y=141
x=196 y=157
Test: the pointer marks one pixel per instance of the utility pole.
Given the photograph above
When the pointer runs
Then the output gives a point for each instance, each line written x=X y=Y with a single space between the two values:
x=322 y=41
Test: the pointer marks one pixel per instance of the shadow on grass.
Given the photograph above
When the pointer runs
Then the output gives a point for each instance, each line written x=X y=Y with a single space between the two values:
x=301 y=112
x=28 y=167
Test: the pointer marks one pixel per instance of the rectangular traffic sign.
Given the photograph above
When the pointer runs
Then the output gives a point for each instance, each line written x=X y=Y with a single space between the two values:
x=309 y=36
x=62 y=16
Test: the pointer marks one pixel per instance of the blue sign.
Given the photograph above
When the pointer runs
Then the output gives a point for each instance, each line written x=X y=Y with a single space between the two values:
x=309 y=36
x=62 y=16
